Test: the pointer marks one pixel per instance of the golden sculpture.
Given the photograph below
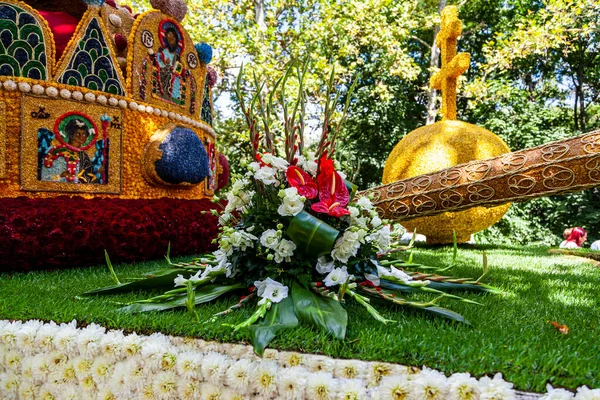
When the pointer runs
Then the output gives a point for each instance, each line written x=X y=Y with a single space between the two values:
x=445 y=144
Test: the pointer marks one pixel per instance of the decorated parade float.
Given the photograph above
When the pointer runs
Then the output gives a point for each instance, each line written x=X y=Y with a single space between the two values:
x=111 y=148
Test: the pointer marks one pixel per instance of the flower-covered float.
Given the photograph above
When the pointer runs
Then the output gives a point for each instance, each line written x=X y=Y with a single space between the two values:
x=105 y=134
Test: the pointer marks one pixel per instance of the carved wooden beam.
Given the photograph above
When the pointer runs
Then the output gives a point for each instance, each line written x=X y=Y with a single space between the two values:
x=564 y=166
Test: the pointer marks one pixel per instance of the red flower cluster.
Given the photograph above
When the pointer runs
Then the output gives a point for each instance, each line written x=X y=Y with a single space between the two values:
x=332 y=191
x=66 y=232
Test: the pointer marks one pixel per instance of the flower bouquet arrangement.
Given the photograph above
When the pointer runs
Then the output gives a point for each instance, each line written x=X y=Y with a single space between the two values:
x=296 y=236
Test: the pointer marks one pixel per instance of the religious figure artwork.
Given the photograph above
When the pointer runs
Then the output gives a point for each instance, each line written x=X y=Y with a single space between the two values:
x=165 y=69
x=25 y=48
x=92 y=63
x=71 y=151
x=171 y=81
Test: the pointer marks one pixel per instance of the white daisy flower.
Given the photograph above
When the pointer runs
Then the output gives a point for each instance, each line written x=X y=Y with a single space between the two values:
x=463 y=387
x=101 y=369
x=189 y=365
x=229 y=394
x=66 y=338
x=238 y=375
x=40 y=368
x=376 y=371
x=89 y=339
x=25 y=337
x=208 y=391
x=153 y=350
x=264 y=378
x=292 y=383
x=106 y=393
x=557 y=394
x=70 y=392
x=49 y=391
x=135 y=375
x=394 y=388
x=12 y=361
x=111 y=344
x=118 y=381
x=87 y=383
x=27 y=367
x=430 y=385
x=45 y=336
x=585 y=393
x=27 y=390
x=9 y=385
x=352 y=389
x=56 y=360
x=214 y=366
x=82 y=365
x=496 y=388
x=188 y=388
x=8 y=333
x=316 y=363
x=131 y=344
x=321 y=386
x=290 y=359
x=165 y=385
x=349 y=369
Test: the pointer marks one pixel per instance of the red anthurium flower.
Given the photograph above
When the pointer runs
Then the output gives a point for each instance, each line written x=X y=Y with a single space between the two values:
x=329 y=207
x=302 y=181
x=331 y=184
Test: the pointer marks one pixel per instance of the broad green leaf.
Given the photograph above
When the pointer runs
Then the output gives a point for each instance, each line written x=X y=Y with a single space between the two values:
x=280 y=316
x=444 y=312
x=162 y=278
x=312 y=235
x=204 y=294
x=322 y=312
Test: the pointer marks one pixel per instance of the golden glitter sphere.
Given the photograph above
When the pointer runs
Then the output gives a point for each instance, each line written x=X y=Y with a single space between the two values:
x=439 y=146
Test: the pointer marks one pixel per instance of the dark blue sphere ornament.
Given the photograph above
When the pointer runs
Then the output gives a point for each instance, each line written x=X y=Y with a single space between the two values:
x=175 y=156
x=205 y=52
x=94 y=3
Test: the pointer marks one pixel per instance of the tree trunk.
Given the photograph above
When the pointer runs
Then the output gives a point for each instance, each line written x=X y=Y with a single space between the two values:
x=259 y=14
x=434 y=59
x=581 y=81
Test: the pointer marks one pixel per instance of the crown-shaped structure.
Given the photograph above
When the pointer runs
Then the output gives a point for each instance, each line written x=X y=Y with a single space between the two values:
x=103 y=103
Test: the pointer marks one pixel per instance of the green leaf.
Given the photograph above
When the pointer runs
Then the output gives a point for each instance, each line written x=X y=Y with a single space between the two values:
x=280 y=316
x=444 y=312
x=312 y=235
x=162 y=278
x=322 y=312
x=204 y=294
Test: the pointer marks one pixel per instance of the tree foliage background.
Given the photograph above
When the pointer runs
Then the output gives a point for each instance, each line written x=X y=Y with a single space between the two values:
x=534 y=77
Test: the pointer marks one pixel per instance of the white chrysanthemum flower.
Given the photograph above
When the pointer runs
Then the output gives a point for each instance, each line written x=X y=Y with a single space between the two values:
x=188 y=388
x=292 y=383
x=56 y=360
x=169 y=359
x=131 y=344
x=70 y=392
x=557 y=394
x=321 y=386
x=8 y=333
x=134 y=373
x=352 y=389
x=82 y=365
x=430 y=385
x=376 y=371
x=40 y=368
x=349 y=369
x=44 y=338
x=290 y=359
x=27 y=367
x=324 y=266
x=87 y=383
x=585 y=393
x=11 y=361
x=496 y=388
x=106 y=393
x=238 y=375
x=9 y=385
x=165 y=385
x=66 y=338
x=208 y=391
x=49 y=391
x=153 y=350
x=317 y=363
x=394 y=388
x=338 y=276
x=229 y=394
x=463 y=387
x=25 y=337
x=89 y=339
x=264 y=378
x=66 y=373
x=189 y=365
x=214 y=366
x=28 y=390
x=101 y=369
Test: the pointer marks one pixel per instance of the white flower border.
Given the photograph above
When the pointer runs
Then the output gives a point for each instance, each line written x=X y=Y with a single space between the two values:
x=51 y=361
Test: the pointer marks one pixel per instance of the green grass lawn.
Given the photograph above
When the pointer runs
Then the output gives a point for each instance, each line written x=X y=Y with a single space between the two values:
x=510 y=333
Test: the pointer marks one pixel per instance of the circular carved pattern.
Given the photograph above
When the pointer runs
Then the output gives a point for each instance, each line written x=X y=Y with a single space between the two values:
x=450 y=177
x=423 y=204
x=395 y=189
x=593 y=167
x=554 y=152
x=591 y=142
x=520 y=184
x=397 y=209
x=421 y=184
x=480 y=192
x=192 y=60
x=450 y=198
x=513 y=162
x=147 y=38
x=476 y=172
x=557 y=176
